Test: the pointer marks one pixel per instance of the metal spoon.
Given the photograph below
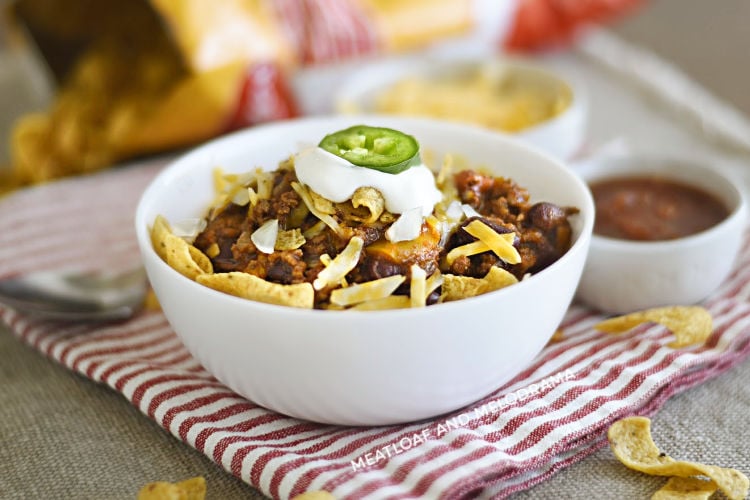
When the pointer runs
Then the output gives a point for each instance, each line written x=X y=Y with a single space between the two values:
x=76 y=296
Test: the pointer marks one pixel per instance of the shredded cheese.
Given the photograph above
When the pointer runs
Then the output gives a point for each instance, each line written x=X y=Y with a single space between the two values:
x=363 y=292
x=326 y=260
x=265 y=184
x=340 y=265
x=252 y=196
x=500 y=244
x=445 y=170
x=307 y=199
x=390 y=302
x=417 y=287
x=433 y=282
x=473 y=248
x=315 y=229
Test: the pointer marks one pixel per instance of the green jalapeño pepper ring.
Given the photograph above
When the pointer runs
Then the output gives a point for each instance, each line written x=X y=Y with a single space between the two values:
x=379 y=148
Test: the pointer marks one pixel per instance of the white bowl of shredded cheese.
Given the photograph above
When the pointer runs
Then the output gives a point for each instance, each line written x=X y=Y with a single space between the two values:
x=364 y=367
x=536 y=105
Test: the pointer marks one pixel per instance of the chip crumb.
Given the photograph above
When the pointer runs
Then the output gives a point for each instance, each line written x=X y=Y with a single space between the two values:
x=364 y=292
x=150 y=301
x=213 y=250
x=314 y=495
x=189 y=489
x=558 y=336
x=340 y=265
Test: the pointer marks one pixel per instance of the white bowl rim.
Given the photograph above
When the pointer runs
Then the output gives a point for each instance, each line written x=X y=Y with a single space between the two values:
x=638 y=164
x=579 y=245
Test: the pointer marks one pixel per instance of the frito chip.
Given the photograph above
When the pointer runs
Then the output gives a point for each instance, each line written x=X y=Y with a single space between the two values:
x=234 y=188
x=340 y=265
x=630 y=439
x=158 y=234
x=314 y=495
x=201 y=260
x=322 y=205
x=372 y=199
x=248 y=286
x=689 y=324
x=290 y=239
x=190 y=489
x=370 y=290
x=460 y=287
x=686 y=488
x=180 y=255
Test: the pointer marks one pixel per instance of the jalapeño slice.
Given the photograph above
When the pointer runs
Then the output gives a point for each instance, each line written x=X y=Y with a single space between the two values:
x=379 y=148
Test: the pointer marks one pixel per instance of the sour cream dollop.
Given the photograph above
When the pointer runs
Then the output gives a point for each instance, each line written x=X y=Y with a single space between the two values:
x=336 y=179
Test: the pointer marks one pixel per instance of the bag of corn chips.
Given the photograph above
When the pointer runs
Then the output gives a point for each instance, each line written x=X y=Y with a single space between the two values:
x=142 y=76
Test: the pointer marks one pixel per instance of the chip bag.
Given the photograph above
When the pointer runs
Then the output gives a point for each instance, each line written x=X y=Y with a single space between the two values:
x=142 y=76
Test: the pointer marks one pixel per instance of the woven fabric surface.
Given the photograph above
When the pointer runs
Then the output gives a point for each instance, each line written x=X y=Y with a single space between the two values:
x=511 y=440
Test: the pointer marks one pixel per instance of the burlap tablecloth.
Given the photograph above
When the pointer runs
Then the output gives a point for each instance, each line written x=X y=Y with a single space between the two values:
x=62 y=436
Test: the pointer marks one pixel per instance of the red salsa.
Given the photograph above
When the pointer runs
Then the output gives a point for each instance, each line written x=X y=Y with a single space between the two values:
x=652 y=209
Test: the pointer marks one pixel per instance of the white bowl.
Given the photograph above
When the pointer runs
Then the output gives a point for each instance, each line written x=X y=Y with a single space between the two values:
x=348 y=367
x=561 y=136
x=623 y=276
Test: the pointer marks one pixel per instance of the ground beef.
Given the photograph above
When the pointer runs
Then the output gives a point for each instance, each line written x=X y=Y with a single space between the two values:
x=492 y=196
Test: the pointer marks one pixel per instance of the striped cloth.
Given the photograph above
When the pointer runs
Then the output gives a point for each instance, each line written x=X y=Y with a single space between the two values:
x=552 y=414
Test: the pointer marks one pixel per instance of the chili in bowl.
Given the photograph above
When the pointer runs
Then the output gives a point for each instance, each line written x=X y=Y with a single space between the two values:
x=667 y=231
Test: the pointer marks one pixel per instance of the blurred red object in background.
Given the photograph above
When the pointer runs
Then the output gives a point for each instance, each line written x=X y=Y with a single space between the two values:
x=264 y=96
x=542 y=23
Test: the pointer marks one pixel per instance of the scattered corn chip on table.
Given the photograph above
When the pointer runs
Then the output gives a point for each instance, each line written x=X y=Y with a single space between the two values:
x=64 y=436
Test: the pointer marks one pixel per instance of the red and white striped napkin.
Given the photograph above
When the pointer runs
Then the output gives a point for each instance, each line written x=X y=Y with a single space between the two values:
x=551 y=415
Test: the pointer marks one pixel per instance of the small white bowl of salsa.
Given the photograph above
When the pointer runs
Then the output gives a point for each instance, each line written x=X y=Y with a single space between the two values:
x=667 y=232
